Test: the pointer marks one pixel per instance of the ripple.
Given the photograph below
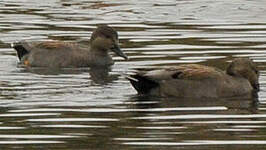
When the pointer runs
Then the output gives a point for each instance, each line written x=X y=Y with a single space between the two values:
x=43 y=108
x=140 y=139
x=72 y=126
x=11 y=128
x=200 y=142
x=225 y=122
x=248 y=126
x=235 y=130
x=28 y=114
x=71 y=120
x=30 y=142
x=159 y=128
x=35 y=136
x=121 y=110
x=205 y=116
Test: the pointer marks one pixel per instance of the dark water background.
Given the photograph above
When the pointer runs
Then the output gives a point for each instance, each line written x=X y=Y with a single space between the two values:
x=98 y=109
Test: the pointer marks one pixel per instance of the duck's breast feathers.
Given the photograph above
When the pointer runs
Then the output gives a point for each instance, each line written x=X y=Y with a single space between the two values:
x=188 y=72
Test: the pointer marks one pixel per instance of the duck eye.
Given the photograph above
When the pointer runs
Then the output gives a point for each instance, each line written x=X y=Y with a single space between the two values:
x=108 y=36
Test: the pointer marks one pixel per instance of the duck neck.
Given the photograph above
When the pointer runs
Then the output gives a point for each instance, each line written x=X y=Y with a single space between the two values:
x=100 y=56
x=94 y=50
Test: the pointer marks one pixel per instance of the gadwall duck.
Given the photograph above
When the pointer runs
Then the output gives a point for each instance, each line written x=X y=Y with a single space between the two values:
x=70 y=54
x=198 y=81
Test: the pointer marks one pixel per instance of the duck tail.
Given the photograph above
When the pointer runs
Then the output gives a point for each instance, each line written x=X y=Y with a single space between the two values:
x=142 y=84
x=21 y=50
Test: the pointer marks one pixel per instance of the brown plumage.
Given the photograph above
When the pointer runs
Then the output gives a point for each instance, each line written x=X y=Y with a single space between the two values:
x=70 y=54
x=192 y=80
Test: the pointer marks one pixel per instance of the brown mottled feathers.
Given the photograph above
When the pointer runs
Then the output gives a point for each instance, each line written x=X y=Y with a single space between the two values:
x=61 y=54
x=54 y=45
x=194 y=80
x=194 y=72
x=187 y=71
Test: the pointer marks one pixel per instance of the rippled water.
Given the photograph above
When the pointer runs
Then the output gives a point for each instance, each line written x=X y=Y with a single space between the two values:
x=98 y=109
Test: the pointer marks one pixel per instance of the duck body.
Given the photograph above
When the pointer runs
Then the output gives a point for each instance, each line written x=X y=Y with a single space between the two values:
x=197 y=81
x=60 y=54
x=70 y=54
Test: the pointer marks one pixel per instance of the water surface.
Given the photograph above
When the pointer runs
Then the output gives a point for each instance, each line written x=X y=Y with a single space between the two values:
x=97 y=108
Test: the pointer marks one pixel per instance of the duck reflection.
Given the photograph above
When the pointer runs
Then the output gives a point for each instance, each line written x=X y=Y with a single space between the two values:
x=96 y=74
x=102 y=76
x=202 y=105
x=146 y=102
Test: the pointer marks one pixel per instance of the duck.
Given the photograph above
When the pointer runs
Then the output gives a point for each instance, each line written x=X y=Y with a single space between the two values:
x=61 y=54
x=199 y=81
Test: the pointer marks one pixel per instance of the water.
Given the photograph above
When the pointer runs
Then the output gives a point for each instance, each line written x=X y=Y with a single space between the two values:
x=97 y=108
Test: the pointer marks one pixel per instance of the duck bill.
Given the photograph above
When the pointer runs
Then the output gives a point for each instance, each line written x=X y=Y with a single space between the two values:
x=118 y=52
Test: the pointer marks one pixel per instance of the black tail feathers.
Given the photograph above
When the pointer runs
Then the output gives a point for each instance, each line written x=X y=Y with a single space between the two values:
x=142 y=84
x=21 y=51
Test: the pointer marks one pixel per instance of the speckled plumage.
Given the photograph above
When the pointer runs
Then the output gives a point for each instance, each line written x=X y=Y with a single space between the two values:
x=193 y=80
x=70 y=54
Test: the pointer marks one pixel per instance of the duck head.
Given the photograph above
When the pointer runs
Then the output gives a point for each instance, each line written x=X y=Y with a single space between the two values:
x=105 y=38
x=246 y=68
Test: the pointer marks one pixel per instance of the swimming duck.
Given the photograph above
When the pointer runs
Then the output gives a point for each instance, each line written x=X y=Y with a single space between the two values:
x=70 y=54
x=198 y=81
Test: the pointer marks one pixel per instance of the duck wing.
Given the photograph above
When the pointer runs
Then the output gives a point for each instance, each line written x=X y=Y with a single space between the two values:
x=144 y=82
x=24 y=47
x=188 y=72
